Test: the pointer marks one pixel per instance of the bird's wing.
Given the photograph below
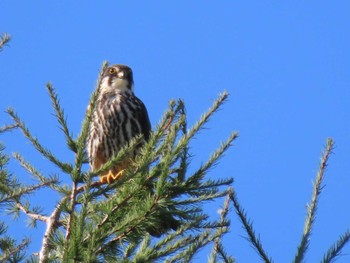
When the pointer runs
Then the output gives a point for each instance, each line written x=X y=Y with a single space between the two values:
x=144 y=121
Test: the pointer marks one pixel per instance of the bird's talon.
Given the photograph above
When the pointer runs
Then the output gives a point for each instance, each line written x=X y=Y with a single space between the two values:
x=104 y=179
x=110 y=177
x=118 y=175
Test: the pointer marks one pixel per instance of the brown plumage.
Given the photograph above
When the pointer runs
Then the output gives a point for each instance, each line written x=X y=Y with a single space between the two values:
x=118 y=117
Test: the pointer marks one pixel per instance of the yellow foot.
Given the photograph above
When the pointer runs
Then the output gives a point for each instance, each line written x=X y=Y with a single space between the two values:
x=110 y=177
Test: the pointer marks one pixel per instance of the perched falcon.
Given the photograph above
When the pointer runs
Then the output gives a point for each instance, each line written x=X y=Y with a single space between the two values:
x=118 y=117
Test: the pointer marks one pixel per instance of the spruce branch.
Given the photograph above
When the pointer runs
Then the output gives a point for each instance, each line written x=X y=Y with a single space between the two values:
x=204 y=119
x=130 y=224
x=205 y=196
x=335 y=250
x=115 y=240
x=115 y=208
x=34 y=216
x=171 y=115
x=65 y=167
x=312 y=208
x=4 y=39
x=171 y=243
x=131 y=248
x=214 y=158
x=217 y=247
x=51 y=181
x=152 y=254
x=59 y=113
x=223 y=255
x=208 y=185
x=248 y=226
x=8 y=127
x=124 y=201
x=171 y=237
x=12 y=253
x=193 y=244
x=180 y=242
x=17 y=193
x=11 y=190
x=184 y=156
x=122 y=155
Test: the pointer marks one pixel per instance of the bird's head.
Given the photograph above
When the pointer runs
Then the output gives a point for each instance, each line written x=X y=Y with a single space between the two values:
x=117 y=79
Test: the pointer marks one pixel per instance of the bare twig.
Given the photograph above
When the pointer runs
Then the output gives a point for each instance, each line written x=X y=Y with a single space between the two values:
x=92 y=185
x=71 y=212
x=53 y=222
x=32 y=215
x=51 y=225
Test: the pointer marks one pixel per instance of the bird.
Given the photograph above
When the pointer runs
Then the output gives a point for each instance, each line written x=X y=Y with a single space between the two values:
x=117 y=118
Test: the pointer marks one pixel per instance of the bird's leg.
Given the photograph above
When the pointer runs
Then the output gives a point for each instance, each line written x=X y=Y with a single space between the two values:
x=114 y=174
x=104 y=178
x=111 y=176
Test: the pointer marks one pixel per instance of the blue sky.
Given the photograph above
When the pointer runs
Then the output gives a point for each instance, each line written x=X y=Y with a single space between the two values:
x=285 y=65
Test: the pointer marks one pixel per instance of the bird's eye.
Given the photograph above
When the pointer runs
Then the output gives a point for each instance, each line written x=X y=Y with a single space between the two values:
x=112 y=70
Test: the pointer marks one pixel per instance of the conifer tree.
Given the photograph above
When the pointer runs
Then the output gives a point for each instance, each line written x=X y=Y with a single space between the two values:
x=96 y=222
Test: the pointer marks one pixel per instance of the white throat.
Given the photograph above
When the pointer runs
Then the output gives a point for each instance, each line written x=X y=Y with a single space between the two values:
x=117 y=86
